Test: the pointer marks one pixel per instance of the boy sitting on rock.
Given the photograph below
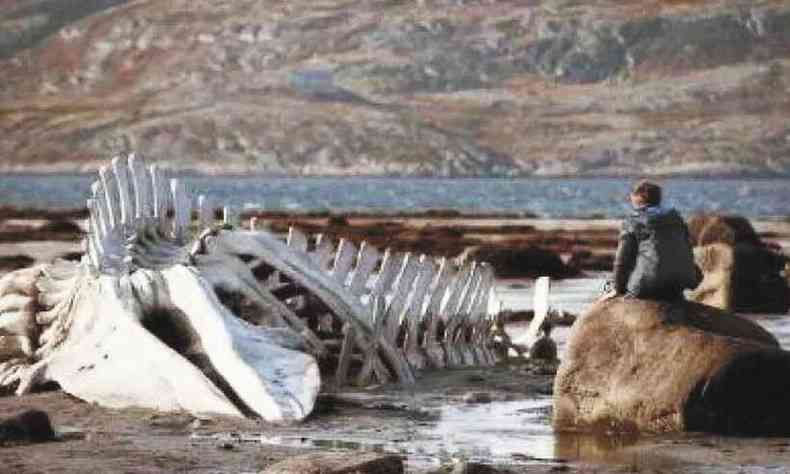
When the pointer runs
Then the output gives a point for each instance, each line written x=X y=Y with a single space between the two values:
x=654 y=258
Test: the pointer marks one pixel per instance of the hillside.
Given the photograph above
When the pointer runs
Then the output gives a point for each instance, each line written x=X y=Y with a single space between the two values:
x=421 y=87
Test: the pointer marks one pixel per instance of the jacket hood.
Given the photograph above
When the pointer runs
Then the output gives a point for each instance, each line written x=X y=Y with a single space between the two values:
x=655 y=214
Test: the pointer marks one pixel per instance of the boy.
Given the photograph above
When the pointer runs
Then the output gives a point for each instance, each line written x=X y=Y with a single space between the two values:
x=654 y=258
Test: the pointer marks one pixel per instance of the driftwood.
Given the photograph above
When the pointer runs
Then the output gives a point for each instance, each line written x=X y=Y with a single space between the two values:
x=172 y=314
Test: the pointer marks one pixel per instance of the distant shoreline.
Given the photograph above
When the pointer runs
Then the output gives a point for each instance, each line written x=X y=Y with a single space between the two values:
x=578 y=197
x=15 y=212
x=187 y=172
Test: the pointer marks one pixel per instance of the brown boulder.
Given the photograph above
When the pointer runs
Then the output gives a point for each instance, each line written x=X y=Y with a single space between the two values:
x=640 y=365
x=755 y=283
x=758 y=282
x=715 y=228
x=339 y=463
x=717 y=262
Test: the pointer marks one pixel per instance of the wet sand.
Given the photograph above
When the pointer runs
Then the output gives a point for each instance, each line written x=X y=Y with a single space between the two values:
x=430 y=424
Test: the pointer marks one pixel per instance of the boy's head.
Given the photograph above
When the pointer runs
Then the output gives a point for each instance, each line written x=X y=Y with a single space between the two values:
x=646 y=193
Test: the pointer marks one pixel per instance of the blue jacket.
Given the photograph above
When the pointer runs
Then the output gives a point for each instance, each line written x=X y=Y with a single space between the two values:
x=654 y=256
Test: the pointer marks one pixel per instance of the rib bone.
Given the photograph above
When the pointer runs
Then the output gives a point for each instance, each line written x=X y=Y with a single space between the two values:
x=226 y=320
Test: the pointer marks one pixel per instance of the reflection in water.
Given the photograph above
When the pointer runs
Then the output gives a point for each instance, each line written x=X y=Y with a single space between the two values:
x=500 y=431
x=516 y=432
x=513 y=432
x=591 y=448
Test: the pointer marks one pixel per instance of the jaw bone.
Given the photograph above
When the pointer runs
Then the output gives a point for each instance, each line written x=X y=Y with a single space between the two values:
x=134 y=324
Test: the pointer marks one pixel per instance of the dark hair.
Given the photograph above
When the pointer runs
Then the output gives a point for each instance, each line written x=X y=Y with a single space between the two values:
x=648 y=191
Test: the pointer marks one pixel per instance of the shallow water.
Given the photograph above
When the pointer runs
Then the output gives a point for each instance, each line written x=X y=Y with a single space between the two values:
x=510 y=432
x=547 y=197
x=434 y=427
x=574 y=295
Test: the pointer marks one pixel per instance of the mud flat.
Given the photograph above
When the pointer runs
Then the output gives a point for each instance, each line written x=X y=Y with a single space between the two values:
x=498 y=416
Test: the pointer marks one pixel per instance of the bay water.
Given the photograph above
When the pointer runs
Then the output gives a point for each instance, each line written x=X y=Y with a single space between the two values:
x=541 y=197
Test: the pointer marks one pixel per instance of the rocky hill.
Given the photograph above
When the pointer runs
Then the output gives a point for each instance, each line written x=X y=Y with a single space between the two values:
x=421 y=87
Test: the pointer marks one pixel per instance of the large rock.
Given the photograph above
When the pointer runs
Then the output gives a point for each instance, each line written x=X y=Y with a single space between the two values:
x=758 y=282
x=740 y=271
x=640 y=365
x=708 y=229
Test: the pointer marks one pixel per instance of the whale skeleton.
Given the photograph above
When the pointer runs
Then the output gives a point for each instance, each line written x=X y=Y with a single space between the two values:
x=173 y=313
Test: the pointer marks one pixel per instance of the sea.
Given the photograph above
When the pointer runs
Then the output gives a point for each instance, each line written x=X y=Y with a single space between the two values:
x=538 y=197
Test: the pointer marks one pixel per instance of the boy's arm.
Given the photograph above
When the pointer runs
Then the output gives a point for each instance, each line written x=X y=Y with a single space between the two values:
x=624 y=259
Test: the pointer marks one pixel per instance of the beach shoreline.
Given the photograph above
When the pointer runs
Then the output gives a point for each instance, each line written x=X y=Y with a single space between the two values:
x=136 y=440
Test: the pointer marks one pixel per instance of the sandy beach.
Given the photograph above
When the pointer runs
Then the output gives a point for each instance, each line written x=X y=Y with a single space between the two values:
x=432 y=425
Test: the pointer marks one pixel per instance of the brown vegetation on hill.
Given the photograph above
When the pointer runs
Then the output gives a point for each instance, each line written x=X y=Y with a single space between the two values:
x=418 y=88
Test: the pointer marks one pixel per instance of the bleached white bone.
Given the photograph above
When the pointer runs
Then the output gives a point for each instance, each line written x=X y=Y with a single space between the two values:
x=541 y=289
x=126 y=208
x=111 y=198
x=449 y=313
x=344 y=258
x=324 y=249
x=21 y=281
x=367 y=259
x=391 y=264
x=274 y=382
x=297 y=240
x=303 y=269
x=182 y=210
x=18 y=321
x=416 y=314
x=97 y=319
x=143 y=208
x=102 y=355
x=17 y=302
x=402 y=289
x=235 y=276
x=148 y=285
